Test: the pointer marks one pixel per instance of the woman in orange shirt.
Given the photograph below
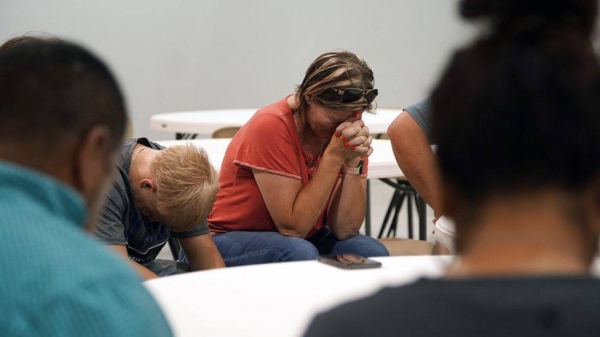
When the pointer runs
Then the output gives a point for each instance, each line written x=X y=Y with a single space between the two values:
x=293 y=180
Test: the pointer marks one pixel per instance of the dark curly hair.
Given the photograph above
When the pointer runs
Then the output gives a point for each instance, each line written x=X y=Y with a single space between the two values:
x=520 y=107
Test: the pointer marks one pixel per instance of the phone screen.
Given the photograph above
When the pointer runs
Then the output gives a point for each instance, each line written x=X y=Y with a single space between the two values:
x=349 y=261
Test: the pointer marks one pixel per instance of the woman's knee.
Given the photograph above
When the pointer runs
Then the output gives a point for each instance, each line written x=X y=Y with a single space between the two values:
x=296 y=249
x=362 y=245
x=376 y=248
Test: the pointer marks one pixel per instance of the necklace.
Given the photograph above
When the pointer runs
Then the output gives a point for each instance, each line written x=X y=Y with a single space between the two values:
x=313 y=163
x=135 y=156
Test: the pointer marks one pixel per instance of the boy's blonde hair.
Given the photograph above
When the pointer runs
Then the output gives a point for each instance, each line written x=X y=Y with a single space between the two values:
x=186 y=185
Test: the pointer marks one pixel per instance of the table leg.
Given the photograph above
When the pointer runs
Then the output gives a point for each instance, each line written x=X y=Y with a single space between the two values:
x=422 y=211
x=368 y=212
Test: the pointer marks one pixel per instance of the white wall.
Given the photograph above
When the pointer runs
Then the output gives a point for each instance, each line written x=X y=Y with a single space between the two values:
x=210 y=54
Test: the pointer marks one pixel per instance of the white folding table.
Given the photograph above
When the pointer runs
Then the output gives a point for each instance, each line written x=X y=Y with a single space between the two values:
x=205 y=122
x=275 y=299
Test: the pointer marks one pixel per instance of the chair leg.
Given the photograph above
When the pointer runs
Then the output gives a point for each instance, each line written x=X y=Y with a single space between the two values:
x=388 y=212
x=368 y=211
x=398 y=207
x=405 y=190
x=410 y=215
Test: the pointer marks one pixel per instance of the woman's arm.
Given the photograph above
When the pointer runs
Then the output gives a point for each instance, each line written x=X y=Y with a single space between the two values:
x=295 y=209
x=348 y=206
x=347 y=209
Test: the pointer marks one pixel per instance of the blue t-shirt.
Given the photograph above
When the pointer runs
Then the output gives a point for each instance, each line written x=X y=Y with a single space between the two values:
x=56 y=279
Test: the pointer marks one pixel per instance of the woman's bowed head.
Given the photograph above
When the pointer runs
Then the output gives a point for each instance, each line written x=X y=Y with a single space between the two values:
x=337 y=88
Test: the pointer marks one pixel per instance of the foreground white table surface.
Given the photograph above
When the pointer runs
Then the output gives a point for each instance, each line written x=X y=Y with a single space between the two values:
x=277 y=299
x=205 y=122
x=382 y=163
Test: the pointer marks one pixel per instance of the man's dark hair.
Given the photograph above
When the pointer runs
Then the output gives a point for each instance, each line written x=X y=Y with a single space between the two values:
x=520 y=108
x=54 y=91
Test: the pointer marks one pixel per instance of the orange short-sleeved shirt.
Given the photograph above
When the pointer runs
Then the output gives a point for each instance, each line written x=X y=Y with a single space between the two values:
x=268 y=142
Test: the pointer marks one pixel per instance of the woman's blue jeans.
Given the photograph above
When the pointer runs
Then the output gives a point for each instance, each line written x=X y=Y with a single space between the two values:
x=243 y=248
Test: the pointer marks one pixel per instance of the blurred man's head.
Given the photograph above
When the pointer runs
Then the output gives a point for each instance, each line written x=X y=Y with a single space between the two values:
x=61 y=113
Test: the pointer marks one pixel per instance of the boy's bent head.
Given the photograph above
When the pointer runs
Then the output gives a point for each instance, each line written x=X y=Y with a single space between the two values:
x=186 y=185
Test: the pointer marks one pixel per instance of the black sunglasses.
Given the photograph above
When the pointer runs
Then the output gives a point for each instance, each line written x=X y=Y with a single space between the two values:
x=354 y=94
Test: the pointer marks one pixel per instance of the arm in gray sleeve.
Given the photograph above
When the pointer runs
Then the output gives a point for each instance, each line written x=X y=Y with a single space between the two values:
x=200 y=229
x=421 y=113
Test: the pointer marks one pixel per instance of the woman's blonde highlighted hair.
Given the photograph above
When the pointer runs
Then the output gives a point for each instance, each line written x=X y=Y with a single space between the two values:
x=186 y=185
x=338 y=69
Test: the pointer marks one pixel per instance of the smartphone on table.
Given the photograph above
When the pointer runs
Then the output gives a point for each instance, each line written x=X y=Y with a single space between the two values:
x=348 y=261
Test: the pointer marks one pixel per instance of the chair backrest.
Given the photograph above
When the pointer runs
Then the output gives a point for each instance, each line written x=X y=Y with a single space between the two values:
x=227 y=132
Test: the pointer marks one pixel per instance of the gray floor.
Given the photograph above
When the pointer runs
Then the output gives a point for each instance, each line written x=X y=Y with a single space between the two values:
x=380 y=199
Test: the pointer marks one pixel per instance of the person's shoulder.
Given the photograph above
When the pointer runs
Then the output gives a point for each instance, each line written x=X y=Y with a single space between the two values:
x=150 y=144
x=375 y=315
x=127 y=146
x=126 y=309
x=277 y=111
x=111 y=305
x=431 y=307
x=420 y=108
x=120 y=181
x=67 y=282
x=119 y=199
x=273 y=122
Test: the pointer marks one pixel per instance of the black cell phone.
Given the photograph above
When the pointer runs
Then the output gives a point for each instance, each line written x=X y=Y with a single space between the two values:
x=348 y=261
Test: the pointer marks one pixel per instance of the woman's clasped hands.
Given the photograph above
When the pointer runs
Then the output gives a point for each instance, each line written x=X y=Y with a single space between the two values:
x=352 y=138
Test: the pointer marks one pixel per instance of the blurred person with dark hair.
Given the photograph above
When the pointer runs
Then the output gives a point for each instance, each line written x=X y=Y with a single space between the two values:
x=517 y=120
x=63 y=117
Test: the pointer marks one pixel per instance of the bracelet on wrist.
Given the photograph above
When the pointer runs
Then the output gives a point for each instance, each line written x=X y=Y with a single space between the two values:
x=356 y=171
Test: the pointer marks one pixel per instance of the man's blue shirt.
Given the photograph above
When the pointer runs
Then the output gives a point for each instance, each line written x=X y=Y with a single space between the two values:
x=56 y=279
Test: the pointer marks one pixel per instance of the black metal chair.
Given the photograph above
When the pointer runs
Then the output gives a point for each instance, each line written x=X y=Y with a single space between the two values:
x=404 y=192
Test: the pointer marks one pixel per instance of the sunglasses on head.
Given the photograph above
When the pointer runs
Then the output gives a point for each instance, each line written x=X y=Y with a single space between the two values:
x=354 y=94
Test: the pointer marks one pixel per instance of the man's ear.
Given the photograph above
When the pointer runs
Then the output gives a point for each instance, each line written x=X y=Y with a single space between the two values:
x=147 y=184
x=93 y=163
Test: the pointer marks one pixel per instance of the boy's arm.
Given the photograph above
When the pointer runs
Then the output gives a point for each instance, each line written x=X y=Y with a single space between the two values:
x=202 y=253
x=144 y=272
